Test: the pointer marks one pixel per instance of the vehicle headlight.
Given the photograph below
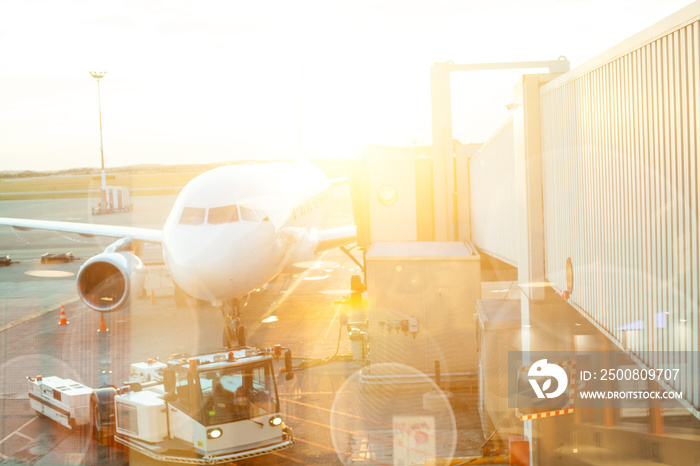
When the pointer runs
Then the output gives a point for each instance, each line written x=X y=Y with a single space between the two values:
x=275 y=421
x=214 y=433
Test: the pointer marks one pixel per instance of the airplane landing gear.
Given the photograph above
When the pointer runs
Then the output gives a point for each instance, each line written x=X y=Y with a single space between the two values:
x=234 y=334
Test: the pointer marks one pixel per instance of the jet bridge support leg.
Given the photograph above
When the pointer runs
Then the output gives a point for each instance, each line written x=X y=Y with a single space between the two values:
x=234 y=333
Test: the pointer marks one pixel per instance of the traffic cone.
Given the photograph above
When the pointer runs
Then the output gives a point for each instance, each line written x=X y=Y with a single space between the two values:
x=63 y=320
x=103 y=325
x=153 y=296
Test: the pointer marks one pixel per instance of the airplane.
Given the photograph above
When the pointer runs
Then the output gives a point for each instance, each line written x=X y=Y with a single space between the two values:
x=230 y=232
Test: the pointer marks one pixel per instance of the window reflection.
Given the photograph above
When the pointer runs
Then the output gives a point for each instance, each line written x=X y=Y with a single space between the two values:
x=248 y=214
x=234 y=394
x=224 y=214
x=192 y=216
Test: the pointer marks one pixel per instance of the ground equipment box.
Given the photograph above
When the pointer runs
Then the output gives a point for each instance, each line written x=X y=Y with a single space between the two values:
x=498 y=332
x=421 y=306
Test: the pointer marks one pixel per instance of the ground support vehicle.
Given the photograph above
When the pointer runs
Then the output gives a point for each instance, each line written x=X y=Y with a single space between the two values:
x=50 y=258
x=114 y=200
x=63 y=400
x=205 y=409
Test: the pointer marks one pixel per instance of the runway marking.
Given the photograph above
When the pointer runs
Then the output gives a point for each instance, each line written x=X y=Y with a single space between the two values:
x=341 y=292
x=353 y=432
x=365 y=435
x=338 y=412
x=385 y=424
x=17 y=431
x=334 y=321
x=36 y=314
x=284 y=297
x=315 y=264
x=49 y=273
x=23 y=435
x=290 y=458
x=333 y=450
x=296 y=348
x=14 y=396
x=70 y=238
x=305 y=393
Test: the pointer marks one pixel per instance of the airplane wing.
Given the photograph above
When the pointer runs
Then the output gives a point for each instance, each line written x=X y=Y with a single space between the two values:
x=335 y=237
x=86 y=229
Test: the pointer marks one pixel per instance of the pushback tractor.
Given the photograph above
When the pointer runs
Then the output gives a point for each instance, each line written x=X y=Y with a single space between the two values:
x=205 y=409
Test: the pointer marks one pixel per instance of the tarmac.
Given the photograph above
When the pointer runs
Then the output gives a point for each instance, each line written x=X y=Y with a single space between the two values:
x=335 y=420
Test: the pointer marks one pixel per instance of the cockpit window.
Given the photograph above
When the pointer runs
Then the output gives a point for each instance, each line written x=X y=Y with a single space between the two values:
x=253 y=213
x=192 y=216
x=225 y=214
x=248 y=214
x=261 y=213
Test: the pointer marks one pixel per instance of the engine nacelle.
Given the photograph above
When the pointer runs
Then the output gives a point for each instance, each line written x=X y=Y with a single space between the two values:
x=107 y=281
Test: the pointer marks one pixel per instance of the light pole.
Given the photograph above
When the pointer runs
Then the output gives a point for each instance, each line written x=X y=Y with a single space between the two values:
x=98 y=75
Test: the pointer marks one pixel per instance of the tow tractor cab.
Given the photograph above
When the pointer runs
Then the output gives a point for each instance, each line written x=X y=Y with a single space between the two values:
x=205 y=409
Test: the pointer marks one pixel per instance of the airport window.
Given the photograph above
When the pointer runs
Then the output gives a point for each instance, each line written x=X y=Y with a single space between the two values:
x=192 y=216
x=248 y=214
x=224 y=214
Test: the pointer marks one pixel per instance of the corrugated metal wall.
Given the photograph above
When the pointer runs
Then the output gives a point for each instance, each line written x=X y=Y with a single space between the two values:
x=492 y=192
x=621 y=195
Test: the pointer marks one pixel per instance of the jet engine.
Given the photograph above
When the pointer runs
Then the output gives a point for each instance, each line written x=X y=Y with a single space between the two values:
x=107 y=281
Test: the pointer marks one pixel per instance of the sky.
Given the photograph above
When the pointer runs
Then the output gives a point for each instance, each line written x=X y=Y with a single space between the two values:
x=218 y=80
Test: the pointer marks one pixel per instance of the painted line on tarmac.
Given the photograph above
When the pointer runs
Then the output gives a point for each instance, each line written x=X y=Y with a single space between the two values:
x=36 y=314
x=333 y=322
x=353 y=432
x=354 y=416
x=289 y=458
x=283 y=298
x=17 y=431
x=305 y=393
x=20 y=434
x=324 y=447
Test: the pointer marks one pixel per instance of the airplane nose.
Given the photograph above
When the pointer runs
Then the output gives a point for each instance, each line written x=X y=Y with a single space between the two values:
x=199 y=266
x=214 y=262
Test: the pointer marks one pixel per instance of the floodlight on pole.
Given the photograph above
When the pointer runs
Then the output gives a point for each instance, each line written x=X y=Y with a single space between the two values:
x=99 y=75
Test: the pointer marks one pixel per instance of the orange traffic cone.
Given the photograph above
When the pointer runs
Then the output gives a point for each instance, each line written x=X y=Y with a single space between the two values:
x=103 y=325
x=63 y=320
x=153 y=297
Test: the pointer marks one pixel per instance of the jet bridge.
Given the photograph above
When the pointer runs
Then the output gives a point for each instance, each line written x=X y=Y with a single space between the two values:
x=598 y=202
x=423 y=299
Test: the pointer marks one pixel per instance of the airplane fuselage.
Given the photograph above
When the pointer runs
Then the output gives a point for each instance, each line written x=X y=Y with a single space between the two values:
x=234 y=228
x=230 y=231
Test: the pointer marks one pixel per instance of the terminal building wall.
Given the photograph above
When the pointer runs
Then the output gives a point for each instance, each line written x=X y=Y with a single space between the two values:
x=621 y=193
